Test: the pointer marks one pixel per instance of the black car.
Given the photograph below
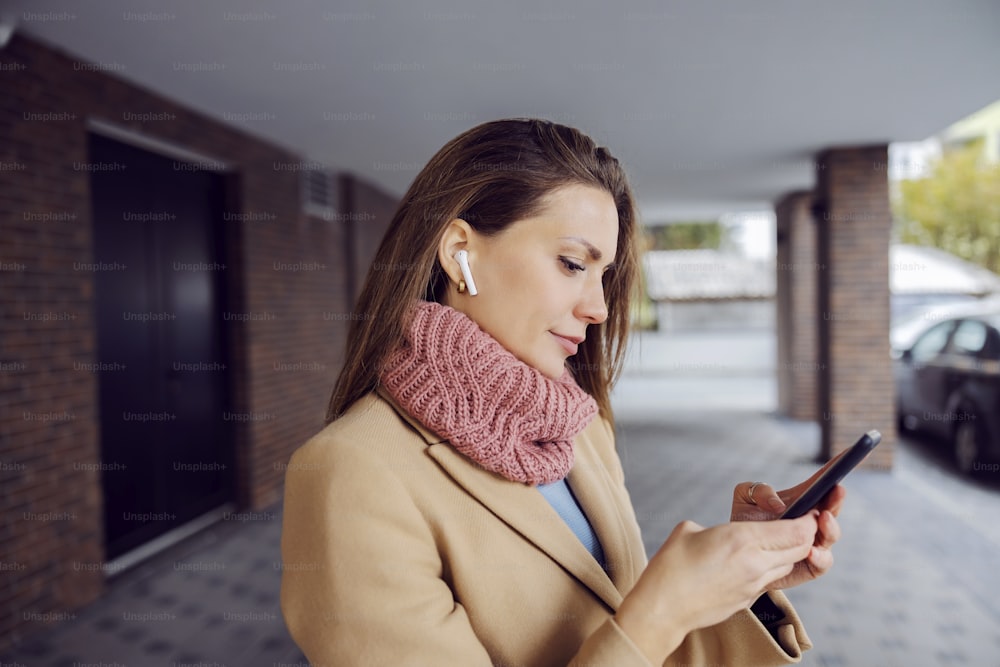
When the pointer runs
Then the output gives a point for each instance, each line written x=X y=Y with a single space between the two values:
x=948 y=384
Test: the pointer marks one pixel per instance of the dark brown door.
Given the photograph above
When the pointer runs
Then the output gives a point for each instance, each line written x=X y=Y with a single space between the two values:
x=160 y=273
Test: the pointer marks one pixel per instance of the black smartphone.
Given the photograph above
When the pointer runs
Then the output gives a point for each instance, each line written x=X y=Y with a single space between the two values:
x=844 y=464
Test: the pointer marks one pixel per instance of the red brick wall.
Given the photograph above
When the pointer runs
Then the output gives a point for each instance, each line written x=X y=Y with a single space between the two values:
x=856 y=390
x=367 y=213
x=783 y=305
x=284 y=264
x=48 y=422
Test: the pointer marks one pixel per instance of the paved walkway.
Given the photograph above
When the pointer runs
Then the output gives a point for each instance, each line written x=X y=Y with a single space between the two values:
x=211 y=601
x=916 y=581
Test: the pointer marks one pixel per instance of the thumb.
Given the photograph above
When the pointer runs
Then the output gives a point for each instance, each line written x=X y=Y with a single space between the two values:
x=788 y=533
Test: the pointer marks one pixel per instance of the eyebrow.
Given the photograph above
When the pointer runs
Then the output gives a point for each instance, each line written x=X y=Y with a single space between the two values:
x=595 y=254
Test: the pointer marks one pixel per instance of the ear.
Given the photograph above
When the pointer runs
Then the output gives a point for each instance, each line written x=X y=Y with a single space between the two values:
x=458 y=235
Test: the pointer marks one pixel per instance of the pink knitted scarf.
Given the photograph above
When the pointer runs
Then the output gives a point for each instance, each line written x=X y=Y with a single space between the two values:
x=505 y=415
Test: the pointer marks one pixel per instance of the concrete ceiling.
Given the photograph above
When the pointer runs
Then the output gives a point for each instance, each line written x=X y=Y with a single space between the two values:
x=714 y=106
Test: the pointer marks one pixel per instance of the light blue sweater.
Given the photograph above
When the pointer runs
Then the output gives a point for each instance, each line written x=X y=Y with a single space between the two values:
x=564 y=502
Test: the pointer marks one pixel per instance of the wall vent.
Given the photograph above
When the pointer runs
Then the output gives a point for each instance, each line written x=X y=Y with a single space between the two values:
x=319 y=193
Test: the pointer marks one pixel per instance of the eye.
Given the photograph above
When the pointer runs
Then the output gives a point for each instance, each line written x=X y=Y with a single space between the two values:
x=570 y=265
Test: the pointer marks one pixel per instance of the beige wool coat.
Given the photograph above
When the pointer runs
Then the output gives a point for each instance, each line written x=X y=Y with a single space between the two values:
x=398 y=551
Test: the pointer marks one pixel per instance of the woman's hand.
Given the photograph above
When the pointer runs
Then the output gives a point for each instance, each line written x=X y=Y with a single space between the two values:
x=767 y=504
x=702 y=576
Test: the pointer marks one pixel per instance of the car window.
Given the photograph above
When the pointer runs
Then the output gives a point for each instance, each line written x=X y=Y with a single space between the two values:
x=969 y=338
x=931 y=343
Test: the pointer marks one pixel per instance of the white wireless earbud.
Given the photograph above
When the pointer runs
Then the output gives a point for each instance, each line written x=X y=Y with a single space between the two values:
x=462 y=257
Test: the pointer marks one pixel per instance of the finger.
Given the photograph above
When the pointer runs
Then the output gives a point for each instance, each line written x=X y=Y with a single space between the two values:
x=819 y=561
x=753 y=513
x=794 y=535
x=833 y=500
x=783 y=545
x=828 y=530
x=764 y=496
x=769 y=498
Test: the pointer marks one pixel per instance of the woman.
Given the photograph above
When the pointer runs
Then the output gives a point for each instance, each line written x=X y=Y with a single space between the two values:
x=465 y=504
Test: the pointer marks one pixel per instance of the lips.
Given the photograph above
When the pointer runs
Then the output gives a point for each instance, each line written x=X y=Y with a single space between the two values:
x=569 y=343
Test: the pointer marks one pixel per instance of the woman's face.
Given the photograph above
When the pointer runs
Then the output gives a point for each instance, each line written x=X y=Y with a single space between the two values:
x=540 y=280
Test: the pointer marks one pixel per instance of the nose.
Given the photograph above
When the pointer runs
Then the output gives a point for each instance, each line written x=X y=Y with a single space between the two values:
x=592 y=307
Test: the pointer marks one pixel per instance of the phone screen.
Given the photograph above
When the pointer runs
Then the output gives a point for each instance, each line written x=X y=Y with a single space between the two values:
x=844 y=463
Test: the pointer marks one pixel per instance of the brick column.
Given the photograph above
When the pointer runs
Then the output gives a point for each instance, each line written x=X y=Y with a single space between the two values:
x=796 y=300
x=783 y=309
x=851 y=208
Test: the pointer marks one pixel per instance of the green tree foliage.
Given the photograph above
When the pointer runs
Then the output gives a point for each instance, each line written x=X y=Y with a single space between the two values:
x=687 y=236
x=956 y=208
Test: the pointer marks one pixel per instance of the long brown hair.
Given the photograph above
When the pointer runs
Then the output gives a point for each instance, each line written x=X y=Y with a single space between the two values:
x=490 y=176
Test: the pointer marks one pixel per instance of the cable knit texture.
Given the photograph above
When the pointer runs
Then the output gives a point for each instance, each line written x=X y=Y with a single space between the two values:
x=461 y=383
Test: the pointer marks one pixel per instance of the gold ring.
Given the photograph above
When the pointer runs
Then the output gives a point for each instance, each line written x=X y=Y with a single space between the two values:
x=751 y=490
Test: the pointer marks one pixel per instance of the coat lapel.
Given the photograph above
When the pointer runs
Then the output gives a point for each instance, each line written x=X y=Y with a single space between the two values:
x=593 y=486
x=524 y=509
